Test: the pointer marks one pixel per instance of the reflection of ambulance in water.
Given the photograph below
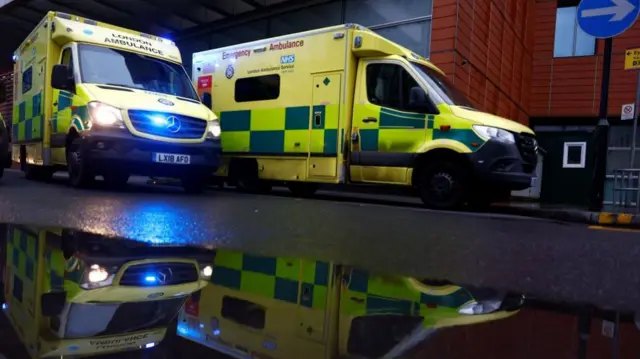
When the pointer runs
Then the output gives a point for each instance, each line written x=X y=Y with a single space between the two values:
x=345 y=105
x=70 y=293
x=275 y=307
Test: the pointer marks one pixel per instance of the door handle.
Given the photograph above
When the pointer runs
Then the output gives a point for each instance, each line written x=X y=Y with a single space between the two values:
x=369 y=119
x=317 y=118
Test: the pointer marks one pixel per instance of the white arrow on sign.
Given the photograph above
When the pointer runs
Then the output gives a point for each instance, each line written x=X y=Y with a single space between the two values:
x=620 y=10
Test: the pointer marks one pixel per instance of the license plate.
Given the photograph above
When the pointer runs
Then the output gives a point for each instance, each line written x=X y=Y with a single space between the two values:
x=171 y=158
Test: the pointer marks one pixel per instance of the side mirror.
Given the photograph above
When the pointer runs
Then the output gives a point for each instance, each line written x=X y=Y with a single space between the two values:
x=61 y=79
x=52 y=304
x=206 y=100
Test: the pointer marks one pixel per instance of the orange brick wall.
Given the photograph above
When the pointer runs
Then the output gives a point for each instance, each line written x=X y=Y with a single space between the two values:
x=530 y=334
x=570 y=87
x=485 y=46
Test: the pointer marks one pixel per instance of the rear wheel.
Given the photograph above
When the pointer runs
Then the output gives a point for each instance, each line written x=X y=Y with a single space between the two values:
x=443 y=185
x=80 y=174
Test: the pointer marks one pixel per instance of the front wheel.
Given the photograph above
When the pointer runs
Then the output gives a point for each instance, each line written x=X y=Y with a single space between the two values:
x=443 y=185
x=80 y=175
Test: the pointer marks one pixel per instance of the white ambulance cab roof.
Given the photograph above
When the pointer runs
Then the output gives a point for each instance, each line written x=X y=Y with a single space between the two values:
x=83 y=30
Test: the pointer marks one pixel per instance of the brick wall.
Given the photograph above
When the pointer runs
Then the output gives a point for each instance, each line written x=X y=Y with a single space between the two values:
x=485 y=46
x=530 y=334
x=568 y=87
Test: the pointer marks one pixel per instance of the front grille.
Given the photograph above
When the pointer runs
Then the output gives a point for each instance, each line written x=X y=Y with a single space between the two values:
x=528 y=146
x=164 y=273
x=167 y=124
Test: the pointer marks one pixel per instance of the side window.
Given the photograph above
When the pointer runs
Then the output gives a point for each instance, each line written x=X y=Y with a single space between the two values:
x=27 y=78
x=67 y=59
x=258 y=88
x=389 y=86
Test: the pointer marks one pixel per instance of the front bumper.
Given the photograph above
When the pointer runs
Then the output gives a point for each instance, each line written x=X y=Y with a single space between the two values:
x=120 y=151
x=501 y=165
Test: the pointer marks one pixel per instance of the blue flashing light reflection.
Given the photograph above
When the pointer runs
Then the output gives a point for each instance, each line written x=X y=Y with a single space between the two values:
x=216 y=332
x=183 y=330
x=150 y=279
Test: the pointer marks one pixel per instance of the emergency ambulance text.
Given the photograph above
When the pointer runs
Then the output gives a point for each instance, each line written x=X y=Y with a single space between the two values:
x=105 y=344
x=286 y=45
x=236 y=54
x=133 y=42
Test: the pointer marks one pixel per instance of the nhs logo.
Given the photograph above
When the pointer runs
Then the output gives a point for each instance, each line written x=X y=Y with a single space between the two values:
x=288 y=59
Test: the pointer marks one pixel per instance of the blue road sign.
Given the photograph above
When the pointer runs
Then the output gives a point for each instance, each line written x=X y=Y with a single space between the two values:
x=607 y=18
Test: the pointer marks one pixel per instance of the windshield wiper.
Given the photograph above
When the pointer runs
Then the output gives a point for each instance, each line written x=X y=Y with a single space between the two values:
x=125 y=86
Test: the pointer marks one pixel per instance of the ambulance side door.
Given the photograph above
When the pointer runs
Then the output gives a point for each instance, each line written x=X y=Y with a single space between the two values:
x=387 y=131
x=62 y=100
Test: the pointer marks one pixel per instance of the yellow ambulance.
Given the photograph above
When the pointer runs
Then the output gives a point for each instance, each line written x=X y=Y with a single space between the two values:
x=345 y=105
x=99 y=100
x=70 y=293
x=276 y=307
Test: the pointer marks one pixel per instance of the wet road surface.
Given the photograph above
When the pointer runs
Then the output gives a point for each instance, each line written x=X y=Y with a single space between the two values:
x=549 y=260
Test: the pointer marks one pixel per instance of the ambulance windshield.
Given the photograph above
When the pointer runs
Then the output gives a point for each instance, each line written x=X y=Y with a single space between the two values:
x=101 y=319
x=108 y=66
x=443 y=86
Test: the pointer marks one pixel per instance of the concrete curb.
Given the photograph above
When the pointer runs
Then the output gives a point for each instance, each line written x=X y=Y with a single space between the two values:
x=605 y=219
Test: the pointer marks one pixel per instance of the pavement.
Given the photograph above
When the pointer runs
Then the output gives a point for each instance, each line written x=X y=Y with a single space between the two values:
x=547 y=259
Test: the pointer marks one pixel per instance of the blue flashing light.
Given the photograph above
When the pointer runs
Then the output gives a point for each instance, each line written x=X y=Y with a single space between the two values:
x=216 y=332
x=15 y=58
x=183 y=330
x=150 y=345
x=4 y=306
x=150 y=279
x=159 y=121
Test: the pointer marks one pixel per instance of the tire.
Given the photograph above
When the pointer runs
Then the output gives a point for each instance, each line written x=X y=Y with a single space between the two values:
x=80 y=175
x=116 y=180
x=444 y=185
x=194 y=185
x=302 y=189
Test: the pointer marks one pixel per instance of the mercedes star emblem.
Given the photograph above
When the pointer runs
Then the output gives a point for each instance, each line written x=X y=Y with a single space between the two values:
x=164 y=275
x=173 y=124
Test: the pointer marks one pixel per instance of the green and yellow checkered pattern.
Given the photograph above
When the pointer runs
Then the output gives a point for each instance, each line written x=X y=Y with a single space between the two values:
x=281 y=131
x=22 y=247
x=62 y=275
x=286 y=279
x=28 y=119
x=396 y=126
x=368 y=294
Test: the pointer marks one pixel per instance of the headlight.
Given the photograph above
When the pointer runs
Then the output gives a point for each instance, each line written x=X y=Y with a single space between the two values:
x=96 y=277
x=494 y=133
x=105 y=115
x=205 y=272
x=213 y=129
x=482 y=307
